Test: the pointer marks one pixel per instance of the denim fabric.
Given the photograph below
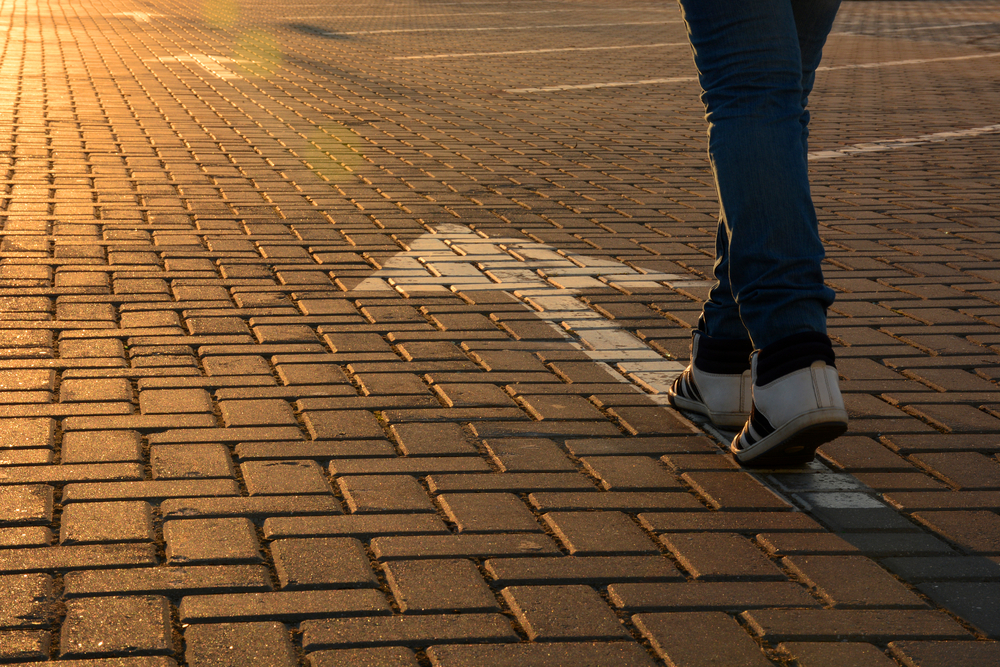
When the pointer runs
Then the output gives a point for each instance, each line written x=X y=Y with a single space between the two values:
x=756 y=62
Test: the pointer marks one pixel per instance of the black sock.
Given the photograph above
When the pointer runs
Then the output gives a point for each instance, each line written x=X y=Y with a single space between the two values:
x=723 y=356
x=791 y=354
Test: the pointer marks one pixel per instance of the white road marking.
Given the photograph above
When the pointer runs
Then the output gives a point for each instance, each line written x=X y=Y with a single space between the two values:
x=494 y=28
x=892 y=144
x=529 y=51
x=211 y=64
x=454 y=258
x=681 y=79
x=139 y=17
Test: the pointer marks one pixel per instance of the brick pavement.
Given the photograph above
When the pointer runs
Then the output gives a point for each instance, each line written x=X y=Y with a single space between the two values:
x=336 y=334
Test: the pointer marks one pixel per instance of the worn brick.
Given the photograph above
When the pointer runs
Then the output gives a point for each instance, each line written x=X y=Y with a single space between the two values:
x=153 y=490
x=718 y=556
x=101 y=446
x=383 y=656
x=461 y=546
x=836 y=654
x=700 y=639
x=76 y=557
x=260 y=506
x=564 y=612
x=281 y=606
x=90 y=523
x=443 y=586
x=599 y=533
x=116 y=625
x=355 y=525
x=168 y=580
x=588 y=654
x=525 y=455
x=190 y=461
x=322 y=563
x=417 y=629
x=24 y=645
x=211 y=540
x=852 y=582
x=581 y=570
x=384 y=494
x=869 y=625
x=432 y=440
x=343 y=425
x=236 y=644
x=488 y=513
x=718 y=595
x=27 y=600
x=23 y=505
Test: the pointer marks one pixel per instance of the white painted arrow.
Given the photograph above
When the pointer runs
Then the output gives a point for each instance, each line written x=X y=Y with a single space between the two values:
x=454 y=258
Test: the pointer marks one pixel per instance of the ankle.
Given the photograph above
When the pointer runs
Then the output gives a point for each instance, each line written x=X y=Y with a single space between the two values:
x=721 y=356
x=792 y=353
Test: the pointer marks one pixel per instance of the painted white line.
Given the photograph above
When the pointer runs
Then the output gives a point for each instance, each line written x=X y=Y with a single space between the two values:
x=681 y=79
x=896 y=63
x=893 y=144
x=612 y=84
x=454 y=258
x=490 y=29
x=138 y=17
x=211 y=64
x=531 y=51
x=942 y=27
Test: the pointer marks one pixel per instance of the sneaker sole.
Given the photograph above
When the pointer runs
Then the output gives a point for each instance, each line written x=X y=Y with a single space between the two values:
x=797 y=448
x=733 y=420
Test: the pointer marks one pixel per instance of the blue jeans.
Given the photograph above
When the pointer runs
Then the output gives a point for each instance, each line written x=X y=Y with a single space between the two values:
x=757 y=62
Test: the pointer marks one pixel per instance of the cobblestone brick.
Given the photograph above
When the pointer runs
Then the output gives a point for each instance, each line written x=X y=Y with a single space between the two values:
x=322 y=563
x=564 y=612
x=356 y=525
x=443 y=586
x=211 y=540
x=235 y=644
x=27 y=600
x=89 y=523
x=835 y=654
x=406 y=630
x=281 y=606
x=599 y=533
x=24 y=645
x=461 y=546
x=116 y=625
x=581 y=570
x=719 y=595
x=168 y=580
x=432 y=440
x=847 y=582
x=525 y=455
x=388 y=656
x=488 y=513
x=384 y=494
x=852 y=625
x=589 y=654
x=21 y=505
x=712 y=557
x=700 y=638
x=943 y=654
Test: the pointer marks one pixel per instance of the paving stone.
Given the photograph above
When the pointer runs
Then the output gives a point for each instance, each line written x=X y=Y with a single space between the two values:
x=23 y=505
x=342 y=425
x=975 y=602
x=27 y=433
x=836 y=654
x=27 y=599
x=168 y=580
x=432 y=440
x=583 y=570
x=790 y=544
x=630 y=473
x=565 y=612
x=525 y=455
x=389 y=656
x=734 y=491
x=711 y=557
x=284 y=477
x=190 y=461
x=101 y=446
x=488 y=513
x=282 y=606
x=442 y=586
x=561 y=654
x=976 y=532
x=852 y=582
x=24 y=645
x=461 y=546
x=385 y=494
x=116 y=625
x=322 y=563
x=356 y=525
x=170 y=401
x=729 y=522
x=917 y=569
x=777 y=625
x=721 y=595
x=195 y=541
x=406 y=630
x=261 y=506
x=599 y=533
x=91 y=523
x=236 y=644
x=509 y=482
x=76 y=557
x=700 y=639
x=943 y=654
x=153 y=490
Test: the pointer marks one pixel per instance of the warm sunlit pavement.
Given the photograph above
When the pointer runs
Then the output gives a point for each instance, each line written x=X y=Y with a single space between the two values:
x=336 y=333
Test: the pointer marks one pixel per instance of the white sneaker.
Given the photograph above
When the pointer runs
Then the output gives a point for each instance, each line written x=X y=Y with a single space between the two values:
x=724 y=399
x=792 y=416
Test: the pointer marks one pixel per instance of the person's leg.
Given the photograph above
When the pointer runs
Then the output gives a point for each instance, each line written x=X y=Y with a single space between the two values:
x=751 y=70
